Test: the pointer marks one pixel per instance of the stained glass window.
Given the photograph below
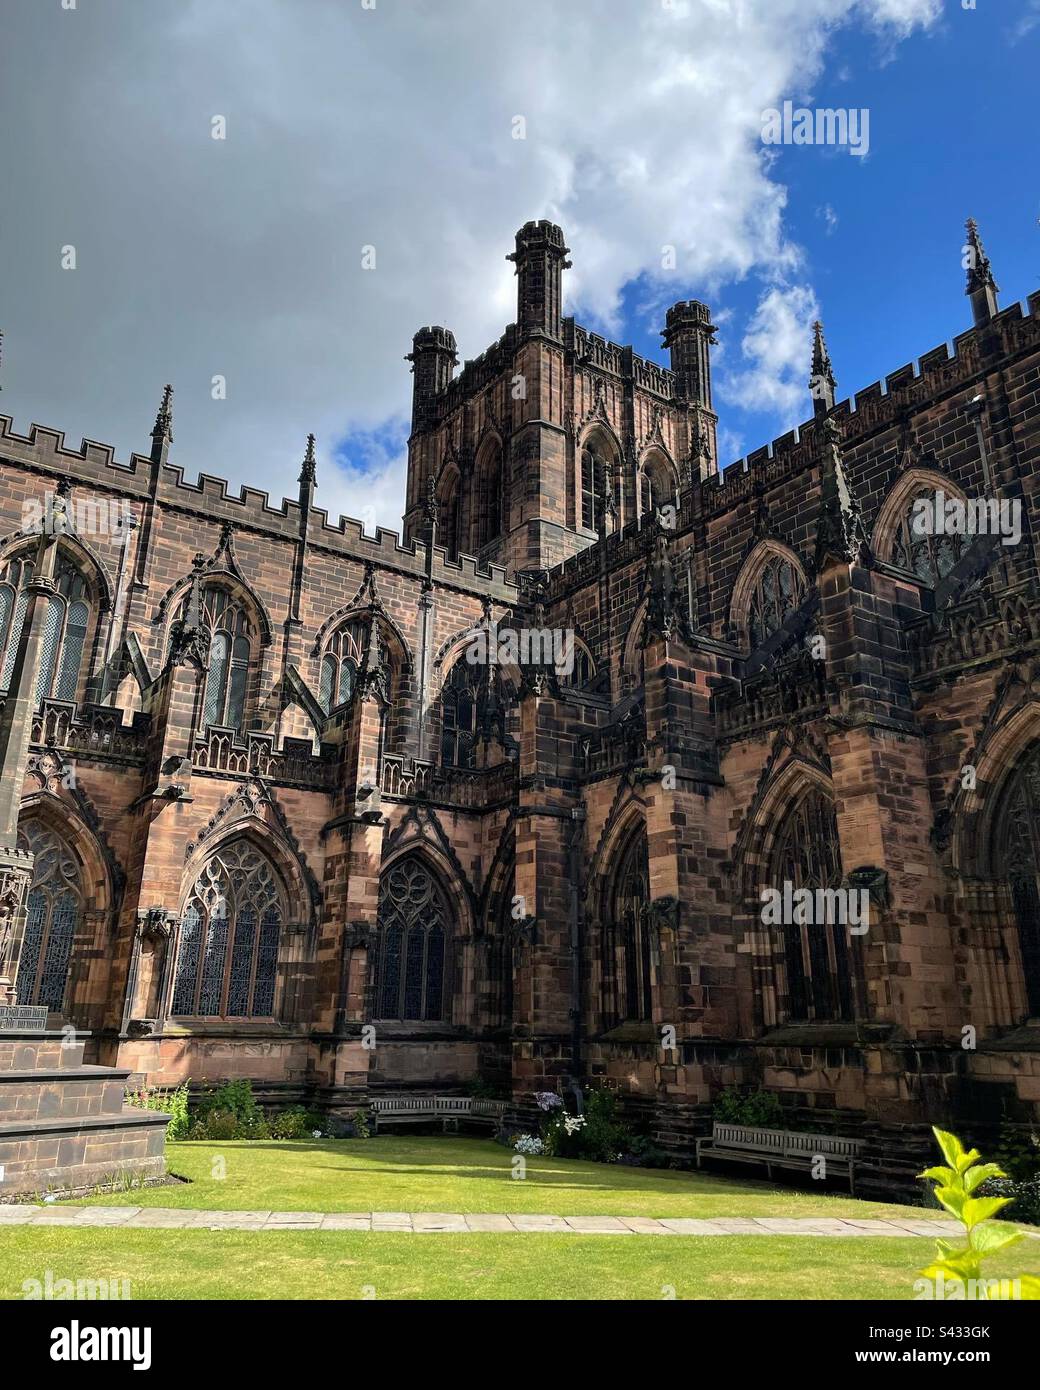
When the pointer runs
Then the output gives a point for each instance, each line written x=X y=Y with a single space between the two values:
x=817 y=960
x=930 y=557
x=459 y=715
x=413 y=936
x=64 y=627
x=1017 y=854
x=593 y=489
x=227 y=963
x=340 y=665
x=52 y=916
x=777 y=593
x=626 y=947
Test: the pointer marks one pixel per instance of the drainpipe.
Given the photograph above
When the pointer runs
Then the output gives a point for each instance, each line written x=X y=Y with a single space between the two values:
x=574 y=848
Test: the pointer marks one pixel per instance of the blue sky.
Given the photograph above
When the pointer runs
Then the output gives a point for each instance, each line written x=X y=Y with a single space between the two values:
x=953 y=133
x=395 y=127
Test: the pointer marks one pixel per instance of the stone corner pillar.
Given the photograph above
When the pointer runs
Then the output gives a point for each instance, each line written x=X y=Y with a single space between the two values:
x=15 y=877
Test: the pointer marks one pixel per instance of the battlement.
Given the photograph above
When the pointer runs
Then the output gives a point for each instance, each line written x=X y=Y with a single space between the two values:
x=942 y=369
x=94 y=466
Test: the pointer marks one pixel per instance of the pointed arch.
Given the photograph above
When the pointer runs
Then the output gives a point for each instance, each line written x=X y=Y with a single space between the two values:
x=769 y=586
x=894 y=540
x=71 y=904
x=598 y=455
x=489 y=491
x=449 y=509
x=233 y=915
x=658 y=481
x=414 y=954
x=72 y=621
x=173 y=602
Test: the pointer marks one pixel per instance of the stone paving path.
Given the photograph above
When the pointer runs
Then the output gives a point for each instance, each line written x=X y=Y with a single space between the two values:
x=422 y=1223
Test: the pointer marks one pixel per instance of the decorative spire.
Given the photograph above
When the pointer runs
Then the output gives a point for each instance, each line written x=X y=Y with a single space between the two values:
x=309 y=471
x=840 y=537
x=163 y=427
x=664 y=615
x=430 y=504
x=982 y=288
x=822 y=385
x=190 y=636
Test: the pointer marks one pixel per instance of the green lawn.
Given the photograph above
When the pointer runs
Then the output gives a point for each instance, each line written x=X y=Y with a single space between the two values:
x=467 y=1175
x=459 y=1175
x=306 y=1264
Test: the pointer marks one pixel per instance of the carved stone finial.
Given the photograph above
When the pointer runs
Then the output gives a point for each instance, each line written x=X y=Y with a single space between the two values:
x=309 y=471
x=163 y=427
x=822 y=385
x=980 y=272
x=839 y=534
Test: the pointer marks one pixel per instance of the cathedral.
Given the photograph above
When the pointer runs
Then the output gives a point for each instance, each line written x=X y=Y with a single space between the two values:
x=494 y=805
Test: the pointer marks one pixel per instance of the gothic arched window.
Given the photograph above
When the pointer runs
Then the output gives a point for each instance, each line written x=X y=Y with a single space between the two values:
x=776 y=594
x=656 y=487
x=596 y=478
x=489 y=494
x=231 y=642
x=459 y=714
x=52 y=915
x=227 y=964
x=1017 y=855
x=583 y=672
x=64 y=630
x=818 y=962
x=626 y=948
x=448 y=515
x=414 y=922
x=340 y=664
x=931 y=557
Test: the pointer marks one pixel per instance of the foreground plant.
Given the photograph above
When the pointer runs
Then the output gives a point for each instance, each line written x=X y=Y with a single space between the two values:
x=961 y=1266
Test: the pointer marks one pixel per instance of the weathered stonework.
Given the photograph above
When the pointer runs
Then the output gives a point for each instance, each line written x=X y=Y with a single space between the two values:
x=704 y=722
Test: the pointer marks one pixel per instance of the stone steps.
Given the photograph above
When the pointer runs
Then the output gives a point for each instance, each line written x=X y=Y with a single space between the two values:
x=63 y=1124
x=48 y=1095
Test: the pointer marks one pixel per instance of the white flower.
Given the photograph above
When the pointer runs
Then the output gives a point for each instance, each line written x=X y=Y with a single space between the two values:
x=316 y=1133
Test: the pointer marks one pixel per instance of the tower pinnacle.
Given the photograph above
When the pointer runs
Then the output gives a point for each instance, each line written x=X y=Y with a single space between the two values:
x=822 y=385
x=309 y=470
x=982 y=287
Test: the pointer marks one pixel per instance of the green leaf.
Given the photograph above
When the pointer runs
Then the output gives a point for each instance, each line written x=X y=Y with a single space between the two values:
x=987 y=1240
x=965 y=1160
x=981 y=1173
x=964 y=1267
x=976 y=1209
x=940 y=1175
x=1030 y=1286
x=953 y=1199
x=951 y=1146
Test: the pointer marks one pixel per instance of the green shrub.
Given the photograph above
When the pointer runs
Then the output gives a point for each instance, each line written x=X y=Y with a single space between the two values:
x=956 y=1187
x=172 y=1100
x=598 y=1134
x=757 y=1109
x=362 y=1127
x=295 y=1123
x=221 y=1124
x=235 y=1098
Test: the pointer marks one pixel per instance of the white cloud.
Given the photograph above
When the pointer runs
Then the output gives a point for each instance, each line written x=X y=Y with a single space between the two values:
x=777 y=350
x=347 y=127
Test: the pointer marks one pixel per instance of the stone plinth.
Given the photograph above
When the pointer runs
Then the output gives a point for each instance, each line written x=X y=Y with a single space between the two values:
x=63 y=1125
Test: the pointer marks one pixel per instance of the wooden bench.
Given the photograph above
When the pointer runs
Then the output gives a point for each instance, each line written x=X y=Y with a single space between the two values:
x=408 y=1110
x=780 y=1148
